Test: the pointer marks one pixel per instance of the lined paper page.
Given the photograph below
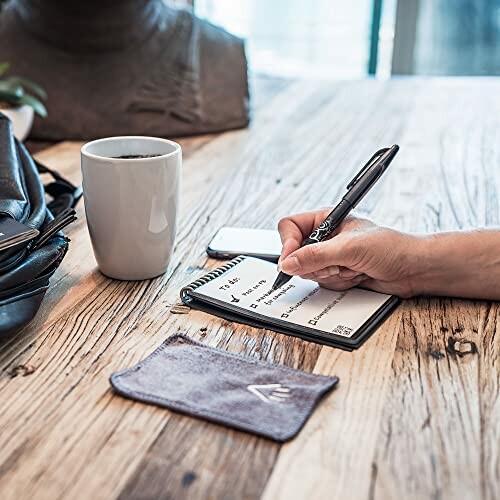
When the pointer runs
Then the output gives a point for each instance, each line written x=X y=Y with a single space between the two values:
x=301 y=302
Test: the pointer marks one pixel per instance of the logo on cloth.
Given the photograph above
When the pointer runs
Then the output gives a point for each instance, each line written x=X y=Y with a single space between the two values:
x=270 y=392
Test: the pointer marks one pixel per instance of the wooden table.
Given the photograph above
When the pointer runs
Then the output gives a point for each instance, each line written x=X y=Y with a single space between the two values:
x=417 y=411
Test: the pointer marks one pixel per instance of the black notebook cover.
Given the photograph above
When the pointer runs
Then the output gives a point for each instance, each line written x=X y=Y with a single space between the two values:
x=232 y=312
x=13 y=233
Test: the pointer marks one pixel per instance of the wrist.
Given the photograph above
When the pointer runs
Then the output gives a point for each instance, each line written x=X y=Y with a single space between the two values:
x=463 y=264
x=419 y=264
x=441 y=263
x=426 y=265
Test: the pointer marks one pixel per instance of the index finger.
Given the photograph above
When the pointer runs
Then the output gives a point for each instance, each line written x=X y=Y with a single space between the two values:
x=291 y=236
x=296 y=228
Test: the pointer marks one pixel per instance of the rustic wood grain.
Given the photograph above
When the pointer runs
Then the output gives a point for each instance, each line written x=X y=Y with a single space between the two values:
x=432 y=422
x=191 y=459
x=417 y=409
x=435 y=378
x=331 y=458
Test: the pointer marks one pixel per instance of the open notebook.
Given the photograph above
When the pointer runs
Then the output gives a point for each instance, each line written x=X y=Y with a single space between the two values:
x=240 y=291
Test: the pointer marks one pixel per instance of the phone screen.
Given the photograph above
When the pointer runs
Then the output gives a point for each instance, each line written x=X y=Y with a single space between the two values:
x=232 y=241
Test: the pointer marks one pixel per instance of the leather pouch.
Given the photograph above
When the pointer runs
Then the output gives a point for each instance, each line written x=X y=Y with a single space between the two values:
x=27 y=264
x=270 y=400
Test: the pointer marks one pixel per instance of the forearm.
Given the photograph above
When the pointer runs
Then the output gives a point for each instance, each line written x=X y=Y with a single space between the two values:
x=459 y=264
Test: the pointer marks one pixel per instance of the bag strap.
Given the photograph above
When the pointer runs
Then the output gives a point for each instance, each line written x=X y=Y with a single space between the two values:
x=64 y=194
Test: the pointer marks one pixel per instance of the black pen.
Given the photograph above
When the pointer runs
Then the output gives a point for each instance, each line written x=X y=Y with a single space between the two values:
x=356 y=190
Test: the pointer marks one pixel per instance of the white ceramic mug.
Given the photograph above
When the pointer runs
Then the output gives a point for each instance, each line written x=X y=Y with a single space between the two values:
x=132 y=204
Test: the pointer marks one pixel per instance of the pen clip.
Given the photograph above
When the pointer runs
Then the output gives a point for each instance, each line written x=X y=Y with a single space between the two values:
x=368 y=164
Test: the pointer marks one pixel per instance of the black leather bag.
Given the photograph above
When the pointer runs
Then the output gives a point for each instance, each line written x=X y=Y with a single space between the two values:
x=25 y=269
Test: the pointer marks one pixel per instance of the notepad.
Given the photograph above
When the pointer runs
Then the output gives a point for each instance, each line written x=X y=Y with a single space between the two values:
x=241 y=291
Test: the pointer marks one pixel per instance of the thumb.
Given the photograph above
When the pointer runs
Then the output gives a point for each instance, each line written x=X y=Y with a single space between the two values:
x=312 y=258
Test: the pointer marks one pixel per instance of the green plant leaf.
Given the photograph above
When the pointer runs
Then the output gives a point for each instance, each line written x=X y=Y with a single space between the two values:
x=10 y=93
x=10 y=87
x=28 y=85
x=4 y=67
x=35 y=103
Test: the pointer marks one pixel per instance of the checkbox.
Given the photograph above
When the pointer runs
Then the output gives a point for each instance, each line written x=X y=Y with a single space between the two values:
x=284 y=315
x=312 y=322
x=253 y=306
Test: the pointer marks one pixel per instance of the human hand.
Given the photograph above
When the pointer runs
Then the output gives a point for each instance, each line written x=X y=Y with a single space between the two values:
x=359 y=253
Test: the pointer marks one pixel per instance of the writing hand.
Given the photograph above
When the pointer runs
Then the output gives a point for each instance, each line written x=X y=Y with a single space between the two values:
x=359 y=253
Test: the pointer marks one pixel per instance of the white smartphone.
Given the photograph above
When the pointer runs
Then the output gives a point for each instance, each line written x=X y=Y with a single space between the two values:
x=229 y=242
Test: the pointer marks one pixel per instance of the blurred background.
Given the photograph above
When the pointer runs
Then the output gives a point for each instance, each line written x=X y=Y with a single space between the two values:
x=285 y=39
x=356 y=38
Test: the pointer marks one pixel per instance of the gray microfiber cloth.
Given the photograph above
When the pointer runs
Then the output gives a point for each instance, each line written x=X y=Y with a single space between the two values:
x=270 y=400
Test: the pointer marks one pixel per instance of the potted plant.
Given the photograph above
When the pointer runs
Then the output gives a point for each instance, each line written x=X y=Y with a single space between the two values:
x=20 y=99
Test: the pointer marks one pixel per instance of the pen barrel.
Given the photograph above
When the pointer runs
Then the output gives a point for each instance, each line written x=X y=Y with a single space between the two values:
x=332 y=222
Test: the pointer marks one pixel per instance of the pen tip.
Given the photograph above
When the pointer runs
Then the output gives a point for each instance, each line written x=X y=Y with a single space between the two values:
x=275 y=286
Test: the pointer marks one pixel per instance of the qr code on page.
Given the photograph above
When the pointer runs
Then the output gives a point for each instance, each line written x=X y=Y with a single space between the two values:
x=342 y=330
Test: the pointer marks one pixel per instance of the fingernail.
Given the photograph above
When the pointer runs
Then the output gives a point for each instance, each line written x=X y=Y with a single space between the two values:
x=348 y=274
x=329 y=271
x=290 y=265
